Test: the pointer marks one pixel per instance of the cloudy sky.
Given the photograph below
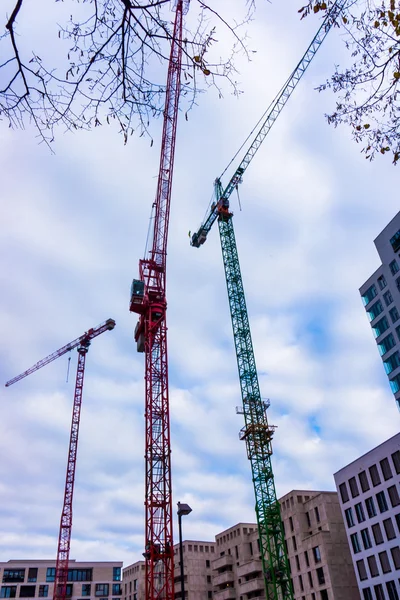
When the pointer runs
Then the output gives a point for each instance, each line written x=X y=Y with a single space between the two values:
x=74 y=228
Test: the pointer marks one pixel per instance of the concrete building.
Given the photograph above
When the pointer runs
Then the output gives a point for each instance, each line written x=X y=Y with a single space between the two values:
x=370 y=502
x=35 y=579
x=318 y=551
x=381 y=297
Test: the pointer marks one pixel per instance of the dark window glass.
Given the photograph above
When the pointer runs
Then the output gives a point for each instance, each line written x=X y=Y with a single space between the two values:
x=8 y=591
x=27 y=591
x=316 y=511
x=43 y=591
x=320 y=575
x=310 y=579
x=349 y=517
x=86 y=588
x=386 y=344
x=316 y=554
x=394 y=314
x=324 y=595
x=377 y=532
x=307 y=559
x=369 y=503
x=355 y=543
x=80 y=574
x=294 y=543
x=291 y=523
x=384 y=560
x=391 y=588
x=343 y=492
x=388 y=298
x=369 y=295
x=363 y=481
x=395 y=552
x=373 y=472
x=392 y=362
x=386 y=470
x=116 y=573
x=397 y=517
x=362 y=571
x=373 y=567
x=375 y=310
x=382 y=504
x=101 y=589
x=379 y=593
x=359 y=512
x=116 y=589
x=13 y=575
x=395 y=241
x=51 y=574
x=389 y=529
x=207 y=563
x=366 y=539
x=353 y=487
x=301 y=583
x=396 y=461
x=32 y=575
x=380 y=326
x=382 y=282
x=367 y=594
x=394 y=496
x=394 y=267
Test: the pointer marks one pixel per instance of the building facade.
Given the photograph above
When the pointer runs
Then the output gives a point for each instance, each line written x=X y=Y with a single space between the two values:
x=86 y=580
x=370 y=501
x=318 y=551
x=381 y=298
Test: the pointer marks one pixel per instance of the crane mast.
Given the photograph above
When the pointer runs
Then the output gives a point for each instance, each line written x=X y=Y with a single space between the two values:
x=148 y=299
x=257 y=433
x=64 y=538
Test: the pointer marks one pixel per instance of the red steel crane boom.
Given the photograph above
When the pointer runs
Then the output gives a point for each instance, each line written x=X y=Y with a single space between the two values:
x=64 y=538
x=148 y=299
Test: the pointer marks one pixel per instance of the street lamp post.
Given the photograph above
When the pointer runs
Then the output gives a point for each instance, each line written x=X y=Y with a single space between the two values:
x=183 y=509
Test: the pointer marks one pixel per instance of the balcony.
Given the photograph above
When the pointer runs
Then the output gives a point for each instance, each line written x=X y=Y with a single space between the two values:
x=228 y=593
x=254 y=585
x=222 y=562
x=223 y=578
x=253 y=566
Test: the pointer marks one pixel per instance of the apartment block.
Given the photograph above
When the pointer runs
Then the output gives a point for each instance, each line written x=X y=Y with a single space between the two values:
x=318 y=552
x=86 y=580
x=381 y=298
x=370 y=501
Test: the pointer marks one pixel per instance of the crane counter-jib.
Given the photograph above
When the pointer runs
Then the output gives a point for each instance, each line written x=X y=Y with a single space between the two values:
x=267 y=120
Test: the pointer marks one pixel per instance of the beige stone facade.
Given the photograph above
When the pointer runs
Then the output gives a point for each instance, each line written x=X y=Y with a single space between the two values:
x=86 y=580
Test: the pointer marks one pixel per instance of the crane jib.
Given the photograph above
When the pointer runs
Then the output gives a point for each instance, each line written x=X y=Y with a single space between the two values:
x=200 y=236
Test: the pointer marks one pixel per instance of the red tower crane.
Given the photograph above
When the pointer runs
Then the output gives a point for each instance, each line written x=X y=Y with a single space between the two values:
x=148 y=299
x=64 y=538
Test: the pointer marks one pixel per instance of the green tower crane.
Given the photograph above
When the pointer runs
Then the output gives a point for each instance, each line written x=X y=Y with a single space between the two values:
x=257 y=432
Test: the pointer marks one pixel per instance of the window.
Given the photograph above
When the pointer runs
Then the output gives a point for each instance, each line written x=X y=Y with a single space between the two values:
x=398 y=328
x=369 y=295
x=396 y=461
x=391 y=588
x=349 y=517
x=209 y=594
x=375 y=310
x=384 y=560
x=8 y=591
x=355 y=543
x=367 y=594
x=389 y=529
x=395 y=241
x=101 y=589
x=362 y=571
x=377 y=533
x=324 y=595
x=116 y=589
x=379 y=592
x=51 y=574
x=364 y=481
x=393 y=495
x=308 y=519
x=207 y=564
x=397 y=517
x=291 y=523
x=386 y=344
x=294 y=543
x=369 y=503
x=387 y=296
x=343 y=492
x=382 y=282
x=86 y=588
x=310 y=579
x=13 y=575
x=307 y=559
x=316 y=554
x=27 y=591
x=380 y=326
x=373 y=567
x=208 y=578
x=382 y=504
x=366 y=540
x=43 y=591
x=392 y=362
x=359 y=512
x=320 y=576
x=395 y=384
x=301 y=583
x=80 y=574
x=32 y=575
x=394 y=314
x=395 y=552
x=316 y=511
x=116 y=574
x=386 y=470
x=297 y=562
x=353 y=487
x=68 y=591
x=394 y=267
x=373 y=471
